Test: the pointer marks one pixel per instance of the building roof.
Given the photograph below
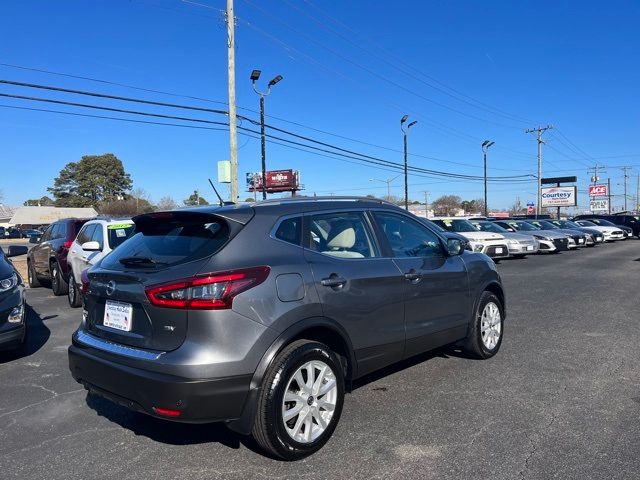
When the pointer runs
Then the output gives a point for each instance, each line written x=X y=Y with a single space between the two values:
x=6 y=212
x=46 y=215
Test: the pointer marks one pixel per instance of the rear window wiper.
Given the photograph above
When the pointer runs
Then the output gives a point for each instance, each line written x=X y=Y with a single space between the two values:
x=141 y=261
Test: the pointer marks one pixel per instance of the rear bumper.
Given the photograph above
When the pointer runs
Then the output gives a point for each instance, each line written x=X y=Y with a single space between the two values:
x=197 y=400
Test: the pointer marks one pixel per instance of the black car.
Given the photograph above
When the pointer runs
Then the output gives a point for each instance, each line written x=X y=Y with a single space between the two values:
x=594 y=236
x=12 y=304
x=631 y=222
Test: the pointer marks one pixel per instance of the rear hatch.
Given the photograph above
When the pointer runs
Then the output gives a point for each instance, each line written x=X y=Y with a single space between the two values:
x=167 y=247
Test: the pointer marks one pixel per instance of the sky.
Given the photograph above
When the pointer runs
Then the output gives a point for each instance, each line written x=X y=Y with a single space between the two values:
x=466 y=71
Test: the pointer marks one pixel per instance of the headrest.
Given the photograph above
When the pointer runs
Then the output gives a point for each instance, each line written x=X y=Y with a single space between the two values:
x=342 y=235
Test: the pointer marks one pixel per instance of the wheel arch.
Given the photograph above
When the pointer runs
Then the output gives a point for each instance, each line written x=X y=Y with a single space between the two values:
x=319 y=329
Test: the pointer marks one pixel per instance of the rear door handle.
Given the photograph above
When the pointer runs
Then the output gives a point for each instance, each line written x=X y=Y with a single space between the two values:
x=412 y=275
x=333 y=282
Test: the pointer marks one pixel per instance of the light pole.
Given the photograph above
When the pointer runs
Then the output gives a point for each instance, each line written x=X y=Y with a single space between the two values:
x=405 y=133
x=255 y=75
x=485 y=146
x=388 y=182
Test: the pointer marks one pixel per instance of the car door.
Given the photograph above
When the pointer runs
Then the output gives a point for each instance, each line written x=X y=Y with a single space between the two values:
x=40 y=255
x=437 y=301
x=77 y=257
x=358 y=288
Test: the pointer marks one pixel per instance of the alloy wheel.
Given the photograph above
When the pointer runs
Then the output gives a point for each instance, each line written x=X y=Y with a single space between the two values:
x=309 y=401
x=490 y=325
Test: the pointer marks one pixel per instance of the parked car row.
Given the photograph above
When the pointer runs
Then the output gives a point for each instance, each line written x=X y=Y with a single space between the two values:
x=518 y=237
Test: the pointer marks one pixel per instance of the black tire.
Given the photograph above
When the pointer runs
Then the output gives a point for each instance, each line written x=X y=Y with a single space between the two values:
x=73 y=293
x=269 y=429
x=32 y=278
x=474 y=344
x=58 y=284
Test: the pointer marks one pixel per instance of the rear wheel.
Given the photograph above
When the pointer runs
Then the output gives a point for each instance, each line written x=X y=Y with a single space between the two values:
x=73 y=295
x=58 y=284
x=300 y=402
x=486 y=331
x=32 y=278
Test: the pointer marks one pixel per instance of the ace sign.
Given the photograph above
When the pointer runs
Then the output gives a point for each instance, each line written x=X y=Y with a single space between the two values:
x=598 y=190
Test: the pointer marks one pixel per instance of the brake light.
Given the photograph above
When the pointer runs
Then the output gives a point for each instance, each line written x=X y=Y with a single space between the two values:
x=213 y=291
x=67 y=244
x=84 y=279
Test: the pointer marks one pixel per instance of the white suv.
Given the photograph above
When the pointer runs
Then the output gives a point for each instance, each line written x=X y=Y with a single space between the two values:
x=492 y=244
x=95 y=240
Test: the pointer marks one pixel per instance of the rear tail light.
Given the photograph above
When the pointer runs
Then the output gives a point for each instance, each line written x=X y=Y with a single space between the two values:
x=166 y=412
x=67 y=244
x=214 y=291
x=84 y=278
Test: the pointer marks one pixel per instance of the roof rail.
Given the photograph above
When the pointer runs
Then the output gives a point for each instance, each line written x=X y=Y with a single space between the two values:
x=274 y=201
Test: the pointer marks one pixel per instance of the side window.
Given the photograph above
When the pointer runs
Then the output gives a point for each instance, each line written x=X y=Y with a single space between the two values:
x=82 y=235
x=98 y=235
x=86 y=233
x=341 y=234
x=57 y=231
x=46 y=236
x=290 y=230
x=407 y=237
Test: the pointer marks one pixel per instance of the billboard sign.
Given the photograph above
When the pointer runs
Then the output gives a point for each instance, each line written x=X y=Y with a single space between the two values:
x=599 y=205
x=277 y=181
x=559 y=197
x=598 y=190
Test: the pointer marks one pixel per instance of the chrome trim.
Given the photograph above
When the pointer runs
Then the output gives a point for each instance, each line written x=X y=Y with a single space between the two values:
x=116 y=348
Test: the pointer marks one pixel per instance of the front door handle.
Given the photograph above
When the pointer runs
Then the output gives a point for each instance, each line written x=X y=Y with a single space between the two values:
x=333 y=281
x=412 y=275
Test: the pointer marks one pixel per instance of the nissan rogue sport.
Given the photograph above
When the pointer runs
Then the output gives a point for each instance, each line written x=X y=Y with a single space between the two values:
x=263 y=315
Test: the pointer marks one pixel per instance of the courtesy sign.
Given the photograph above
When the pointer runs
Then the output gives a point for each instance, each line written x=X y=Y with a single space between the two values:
x=559 y=197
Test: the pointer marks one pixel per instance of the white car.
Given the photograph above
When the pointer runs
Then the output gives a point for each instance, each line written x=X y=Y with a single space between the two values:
x=492 y=244
x=94 y=241
x=610 y=233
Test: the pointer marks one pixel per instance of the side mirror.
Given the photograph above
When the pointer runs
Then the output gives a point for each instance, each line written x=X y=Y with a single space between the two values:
x=91 y=247
x=34 y=239
x=16 y=250
x=454 y=246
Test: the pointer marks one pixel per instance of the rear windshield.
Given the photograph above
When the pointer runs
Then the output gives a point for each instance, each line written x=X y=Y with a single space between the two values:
x=118 y=233
x=166 y=242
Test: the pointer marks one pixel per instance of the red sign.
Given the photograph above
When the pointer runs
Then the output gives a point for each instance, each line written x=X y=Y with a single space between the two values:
x=531 y=210
x=277 y=181
x=598 y=190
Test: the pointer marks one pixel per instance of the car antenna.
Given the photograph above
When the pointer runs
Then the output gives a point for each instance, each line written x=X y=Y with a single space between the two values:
x=221 y=202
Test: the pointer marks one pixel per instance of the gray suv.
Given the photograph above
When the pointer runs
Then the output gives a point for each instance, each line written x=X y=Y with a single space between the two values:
x=262 y=316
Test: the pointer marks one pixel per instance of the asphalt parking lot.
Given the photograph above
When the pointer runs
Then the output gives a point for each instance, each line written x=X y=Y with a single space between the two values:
x=560 y=400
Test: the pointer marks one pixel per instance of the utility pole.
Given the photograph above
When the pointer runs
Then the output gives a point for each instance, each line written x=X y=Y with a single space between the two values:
x=609 y=193
x=387 y=182
x=637 y=209
x=539 y=131
x=485 y=146
x=426 y=204
x=596 y=170
x=405 y=133
x=233 y=132
x=625 y=169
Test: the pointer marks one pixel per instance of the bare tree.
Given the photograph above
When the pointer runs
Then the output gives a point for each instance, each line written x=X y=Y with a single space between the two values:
x=446 y=205
x=166 y=203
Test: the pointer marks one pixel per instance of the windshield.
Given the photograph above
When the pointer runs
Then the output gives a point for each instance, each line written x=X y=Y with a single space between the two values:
x=523 y=226
x=567 y=224
x=433 y=224
x=604 y=223
x=118 y=233
x=544 y=225
x=586 y=223
x=457 y=225
x=490 y=227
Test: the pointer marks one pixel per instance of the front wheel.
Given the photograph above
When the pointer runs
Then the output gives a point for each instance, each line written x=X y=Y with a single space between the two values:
x=300 y=401
x=486 y=331
x=32 y=278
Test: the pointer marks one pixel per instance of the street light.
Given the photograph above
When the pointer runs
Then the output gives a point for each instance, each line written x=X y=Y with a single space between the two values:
x=255 y=75
x=405 y=133
x=485 y=146
x=388 y=182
